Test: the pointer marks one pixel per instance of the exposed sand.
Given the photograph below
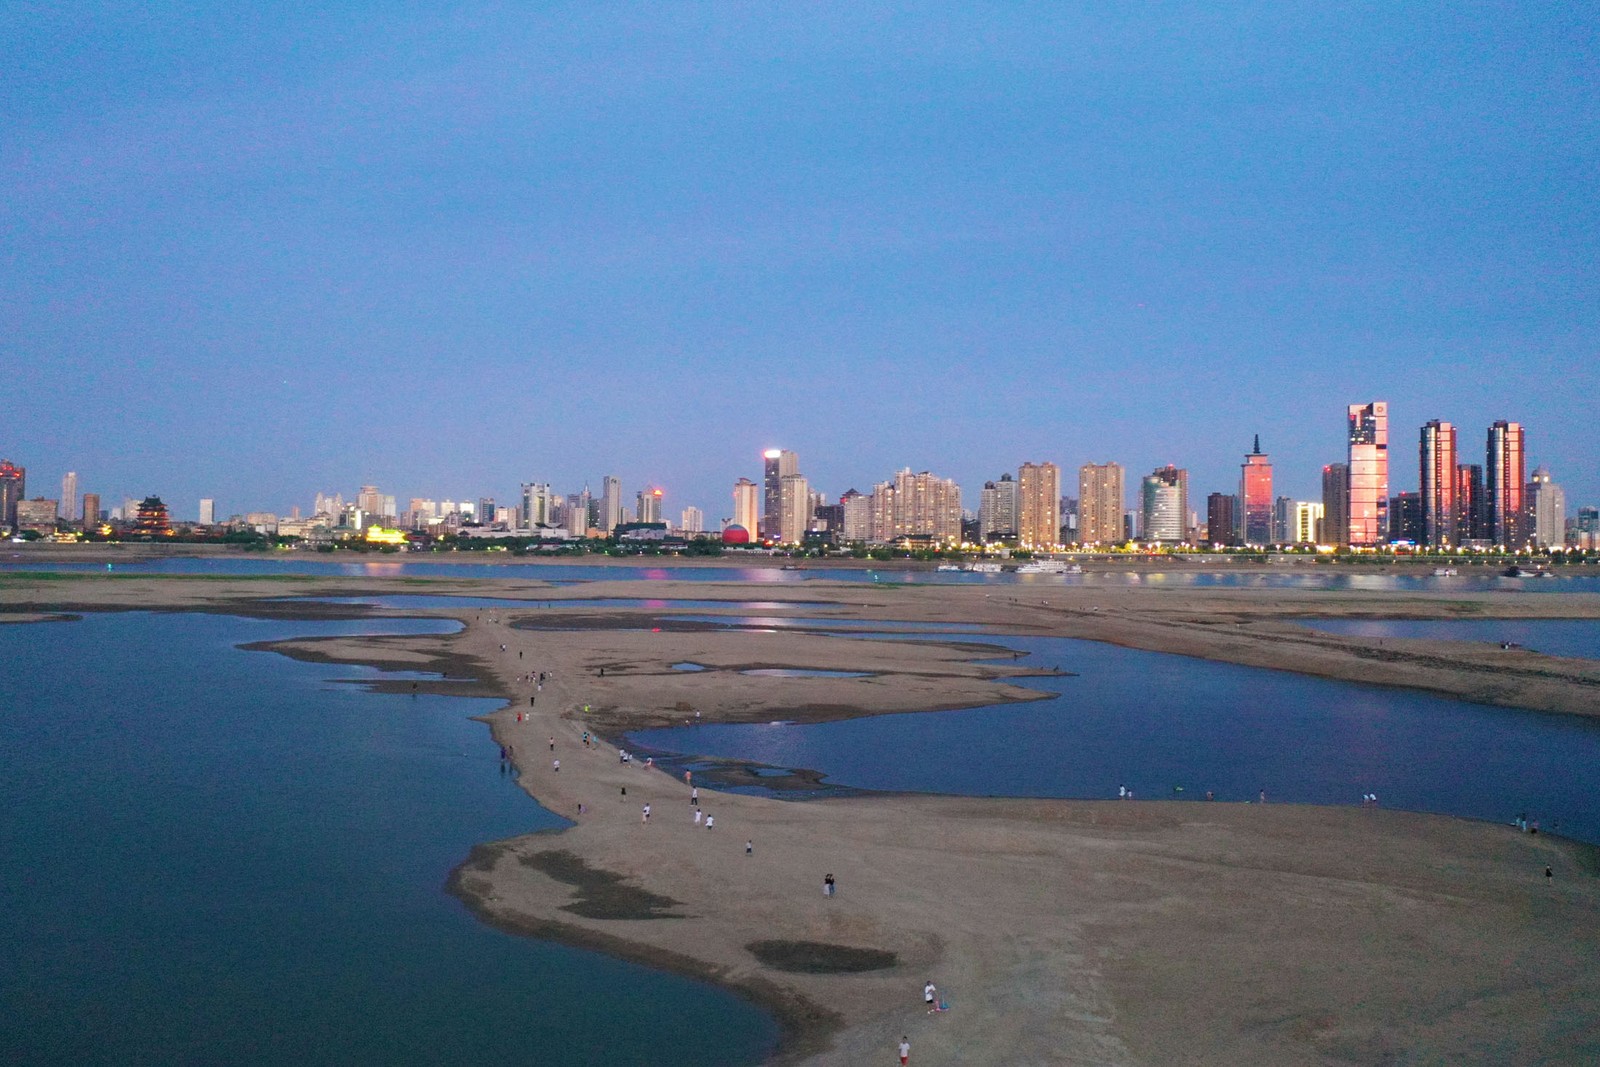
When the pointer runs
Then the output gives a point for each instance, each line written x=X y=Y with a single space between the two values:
x=1061 y=932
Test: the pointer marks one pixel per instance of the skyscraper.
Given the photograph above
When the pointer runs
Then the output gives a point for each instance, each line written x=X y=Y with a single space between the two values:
x=13 y=487
x=1283 y=520
x=747 y=507
x=208 y=511
x=1221 y=519
x=1255 y=497
x=778 y=464
x=1547 y=510
x=1504 y=481
x=1368 y=426
x=538 y=505
x=997 y=510
x=1335 y=505
x=610 y=504
x=794 y=508
x=1166 y=504
x=1100 y=504
x=69 y=496
x=1437 y=455
x=692 y=521
x=1039 y=505
x=91 y=510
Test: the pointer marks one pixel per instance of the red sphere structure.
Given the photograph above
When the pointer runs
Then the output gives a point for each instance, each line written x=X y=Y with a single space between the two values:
x=735 y=535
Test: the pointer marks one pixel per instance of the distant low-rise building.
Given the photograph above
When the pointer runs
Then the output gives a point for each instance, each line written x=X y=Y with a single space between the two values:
x=37 y=515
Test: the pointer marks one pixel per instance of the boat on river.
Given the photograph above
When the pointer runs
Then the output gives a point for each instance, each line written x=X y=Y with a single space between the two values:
x=1049 y=566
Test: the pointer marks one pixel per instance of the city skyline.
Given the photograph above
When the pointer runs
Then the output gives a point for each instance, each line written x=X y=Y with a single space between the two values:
x=252 y=258
x=1480 y=508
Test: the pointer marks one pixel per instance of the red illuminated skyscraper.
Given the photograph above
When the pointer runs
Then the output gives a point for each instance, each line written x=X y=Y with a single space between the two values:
x=1504 y=476
x=1255 y=498
x=1437 y=453
x=1369 y=473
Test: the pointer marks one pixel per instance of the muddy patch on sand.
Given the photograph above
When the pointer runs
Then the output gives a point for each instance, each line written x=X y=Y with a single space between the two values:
x=600 y=894
x=819 y=957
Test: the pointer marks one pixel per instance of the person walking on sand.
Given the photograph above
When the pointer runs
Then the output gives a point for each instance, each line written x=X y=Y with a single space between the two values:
x=828 y=884
x=694 y=796
x=646 y=817
x=556 y=764
x=697 y=814
x=552 y=744
x=710 y=822
x=905 y=1050
x=928 y=993
x=750 y=846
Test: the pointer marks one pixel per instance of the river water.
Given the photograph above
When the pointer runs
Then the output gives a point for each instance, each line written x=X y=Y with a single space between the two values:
x=1170 y=727
x=1197 y=573
x=215 y=856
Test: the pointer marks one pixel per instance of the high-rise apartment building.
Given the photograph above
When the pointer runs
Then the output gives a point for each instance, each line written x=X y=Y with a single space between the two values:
x=486 y=510
x=1039 y=505
x=1368 y=433
x=1307 y=522
x=1437 y=458
x=69 y=496
x=1222 y=519
x=997 y=510
x=649 y=505
x=778 y=464
x=1101 y=504
x=1166 y=505
x=926 y=506
x=1472 y=506
x=1255 y=497
x=91 y=510
x=1504 y=483
x=1547 y=510
x=13 y=488
x=856 y=525
x=610 y=516
x=1283 y=520
x=692 y=521
x=208 y=511
x=794 y=508
x=1335 y=505
x=1405 y=519
x=747 y=507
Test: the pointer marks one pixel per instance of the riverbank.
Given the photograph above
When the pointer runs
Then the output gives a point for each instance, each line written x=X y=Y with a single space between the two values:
x=1104 y=932
x=47 y=554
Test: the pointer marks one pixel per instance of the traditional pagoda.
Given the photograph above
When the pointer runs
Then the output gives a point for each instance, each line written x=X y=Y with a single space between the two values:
x=153 y=520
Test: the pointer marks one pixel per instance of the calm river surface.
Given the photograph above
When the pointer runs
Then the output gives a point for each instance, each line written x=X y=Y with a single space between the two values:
x=1577 y=638
x=1170 y=727
x=1171 y=575
x=214 y=856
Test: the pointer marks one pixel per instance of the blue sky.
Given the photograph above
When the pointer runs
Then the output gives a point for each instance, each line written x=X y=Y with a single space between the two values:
x=252 y=252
